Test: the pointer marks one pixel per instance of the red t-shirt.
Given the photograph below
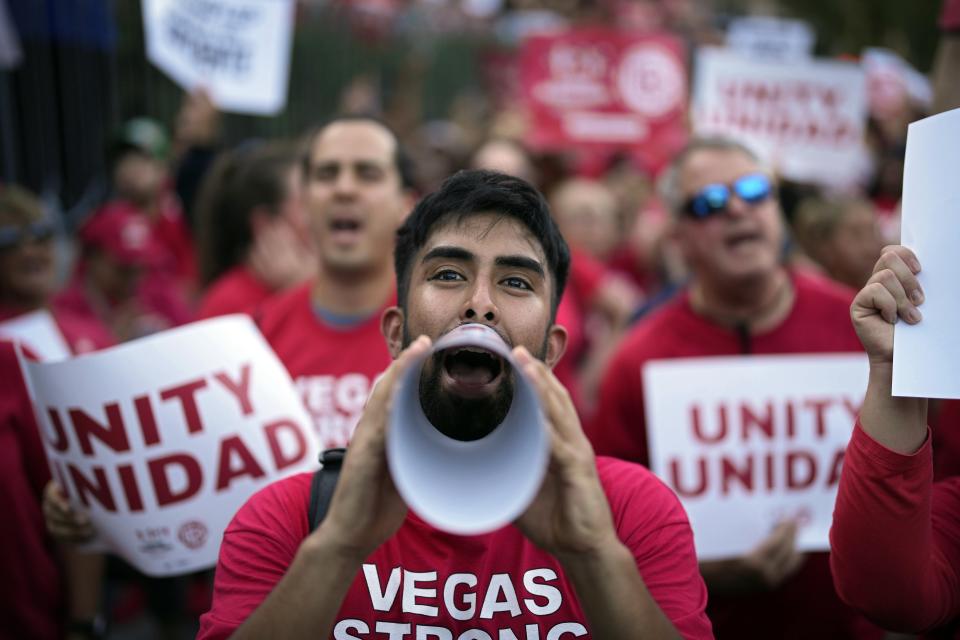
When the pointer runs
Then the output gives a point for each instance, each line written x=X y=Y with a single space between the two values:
x=895 y=538
x=806 y=605
x=333 y=367
x=177 y=256
x=422 y=578
x=31 y=591
x=236 y=291
x=626 y=262
x=83 y=333
x=585 y=277
x=819 y=322
x=945 y=436
x=171 y=231
x=160 y=304
x=950 y=15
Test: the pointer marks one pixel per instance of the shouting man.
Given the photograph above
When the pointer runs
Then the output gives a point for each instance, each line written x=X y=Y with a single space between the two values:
x=604 y=551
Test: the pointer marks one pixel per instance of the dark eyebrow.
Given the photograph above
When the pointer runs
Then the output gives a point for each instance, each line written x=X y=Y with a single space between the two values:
x=521 y=262
x=451 y=253
x=459 y=253
x=362 y=163
x=368 y=164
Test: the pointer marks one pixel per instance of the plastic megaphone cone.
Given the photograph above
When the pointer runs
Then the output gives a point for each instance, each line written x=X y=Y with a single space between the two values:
x=468 y=486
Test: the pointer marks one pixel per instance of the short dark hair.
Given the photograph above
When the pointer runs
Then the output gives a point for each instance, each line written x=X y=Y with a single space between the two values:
x=401 y=160
x=473 y=192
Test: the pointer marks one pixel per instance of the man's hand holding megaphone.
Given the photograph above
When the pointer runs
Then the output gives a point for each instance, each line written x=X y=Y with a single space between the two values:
x=570 y=514
x=366 y=508
x=570 y=518
x=364 y=512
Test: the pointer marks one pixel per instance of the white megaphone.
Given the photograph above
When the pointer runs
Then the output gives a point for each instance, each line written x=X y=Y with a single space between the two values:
x=476 y=486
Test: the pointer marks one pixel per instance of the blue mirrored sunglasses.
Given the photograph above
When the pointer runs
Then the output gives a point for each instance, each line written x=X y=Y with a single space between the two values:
x=14 y=235
x=714 y=198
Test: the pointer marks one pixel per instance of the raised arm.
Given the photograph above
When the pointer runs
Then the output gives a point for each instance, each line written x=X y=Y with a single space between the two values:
x=892 y=293
x=891 y=553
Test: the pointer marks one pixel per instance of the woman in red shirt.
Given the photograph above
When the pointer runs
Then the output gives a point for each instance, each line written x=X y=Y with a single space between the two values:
x=253 y=230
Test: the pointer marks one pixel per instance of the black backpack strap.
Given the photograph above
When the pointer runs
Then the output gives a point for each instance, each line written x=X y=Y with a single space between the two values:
x=324 y=482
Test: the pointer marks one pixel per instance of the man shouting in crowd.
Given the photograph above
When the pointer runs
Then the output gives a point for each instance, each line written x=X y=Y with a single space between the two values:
x=742 y=299
x=604 y=551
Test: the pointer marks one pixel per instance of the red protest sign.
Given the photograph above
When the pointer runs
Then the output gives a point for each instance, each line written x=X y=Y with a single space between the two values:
x=605 y=90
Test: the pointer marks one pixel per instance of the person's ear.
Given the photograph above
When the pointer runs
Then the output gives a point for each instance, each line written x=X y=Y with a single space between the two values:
x=556 y=345
x=391 y=326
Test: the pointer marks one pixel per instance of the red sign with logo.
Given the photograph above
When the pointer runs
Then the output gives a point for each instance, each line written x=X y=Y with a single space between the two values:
x=605 y=90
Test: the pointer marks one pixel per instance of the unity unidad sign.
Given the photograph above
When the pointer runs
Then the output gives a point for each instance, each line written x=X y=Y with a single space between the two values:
x=806 y=118
x=161 y=440
x=747 y=442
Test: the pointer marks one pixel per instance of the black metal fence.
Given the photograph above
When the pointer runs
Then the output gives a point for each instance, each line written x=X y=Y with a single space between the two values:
x=84 y=71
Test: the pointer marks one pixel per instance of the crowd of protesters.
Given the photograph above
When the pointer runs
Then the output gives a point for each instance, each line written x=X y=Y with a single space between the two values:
x=299 y=234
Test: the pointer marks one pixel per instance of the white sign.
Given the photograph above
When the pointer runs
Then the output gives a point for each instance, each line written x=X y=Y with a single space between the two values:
x=806 y=119
x=926 y=356
x=239 y=50
x=769 y=38
x=747 y=442
x=39 y=333
x=162 y=439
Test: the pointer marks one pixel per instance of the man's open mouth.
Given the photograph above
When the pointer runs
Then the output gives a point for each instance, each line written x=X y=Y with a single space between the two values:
x=343 y=224
x=471 y=371
x=743 y=238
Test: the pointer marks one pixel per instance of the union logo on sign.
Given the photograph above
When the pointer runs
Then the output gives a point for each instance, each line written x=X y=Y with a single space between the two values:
x=651 y=81
x=193 y=534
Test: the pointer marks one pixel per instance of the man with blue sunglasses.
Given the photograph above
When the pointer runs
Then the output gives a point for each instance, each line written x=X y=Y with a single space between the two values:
x=741 y=299
x=713 y=199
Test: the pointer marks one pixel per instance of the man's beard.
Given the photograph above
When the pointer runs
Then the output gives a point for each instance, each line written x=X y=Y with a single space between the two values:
x=460 y=418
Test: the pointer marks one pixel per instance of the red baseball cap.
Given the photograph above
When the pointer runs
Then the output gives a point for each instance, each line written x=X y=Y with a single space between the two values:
x=122 y=232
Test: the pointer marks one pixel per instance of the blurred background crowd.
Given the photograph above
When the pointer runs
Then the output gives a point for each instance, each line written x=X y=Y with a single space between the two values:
x=125 y=201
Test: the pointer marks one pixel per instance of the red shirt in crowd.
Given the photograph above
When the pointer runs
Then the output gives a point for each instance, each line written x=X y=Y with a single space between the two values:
x=805 y=606
x=424 y=583
x=945 y=428
x=236 y=291
x=178 y=257
x=950 y=16
x=625 y=261
x=171 y=231
x=333 y=366
x=895 y=540
x=586 y=274
x=83 y=333
x=159 y=302
x=31 y=591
